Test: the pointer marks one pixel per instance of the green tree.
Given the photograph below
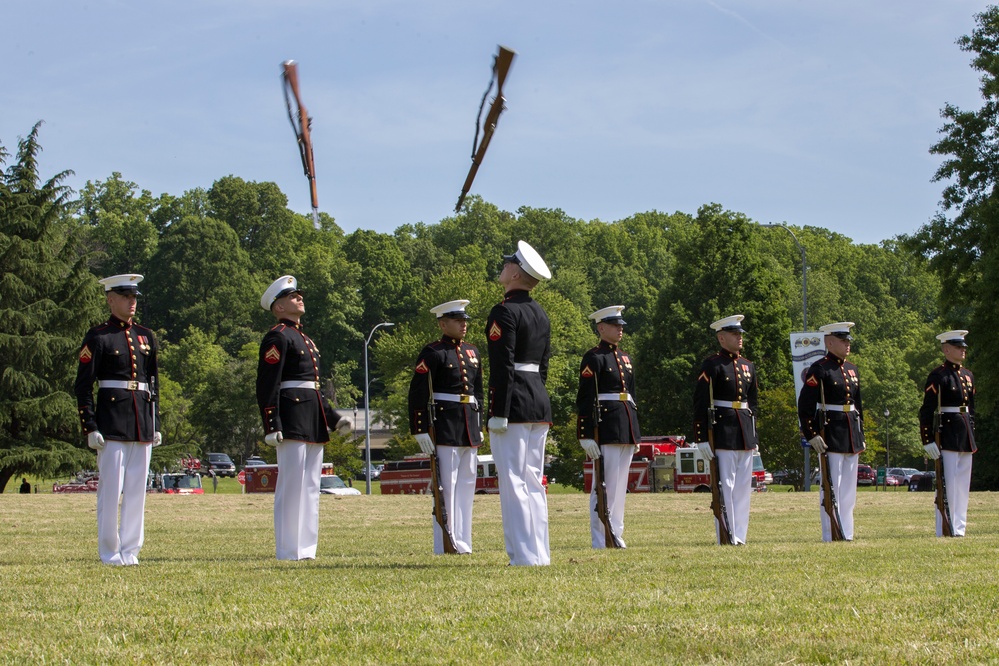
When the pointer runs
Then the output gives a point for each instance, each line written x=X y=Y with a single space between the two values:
x=118 y=224
x=48 y=300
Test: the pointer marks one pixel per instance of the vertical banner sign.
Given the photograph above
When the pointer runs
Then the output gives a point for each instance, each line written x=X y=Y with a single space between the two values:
x=806 y=348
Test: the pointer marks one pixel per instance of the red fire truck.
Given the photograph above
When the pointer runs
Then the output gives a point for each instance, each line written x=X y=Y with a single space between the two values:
x=411 y=476
x=263 y=478
x=651 y=467
x=692 y=473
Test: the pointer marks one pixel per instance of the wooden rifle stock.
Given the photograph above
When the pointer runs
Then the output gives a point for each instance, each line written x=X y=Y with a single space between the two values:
x=501 y=67
x=717 y=499
x=301 y=129
x=943 y=506
x=436 y=489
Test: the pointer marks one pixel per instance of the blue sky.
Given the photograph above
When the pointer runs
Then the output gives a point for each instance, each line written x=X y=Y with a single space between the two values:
x=810 y=113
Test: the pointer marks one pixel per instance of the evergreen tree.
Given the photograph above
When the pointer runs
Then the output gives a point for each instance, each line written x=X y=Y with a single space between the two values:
x=48 y=300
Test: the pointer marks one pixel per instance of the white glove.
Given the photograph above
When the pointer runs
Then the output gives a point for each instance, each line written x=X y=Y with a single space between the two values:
x=497 y=424
x=95 y=440
x=426 y=444
x=344 y=426
x=818 y=444
x=705 y=448
x=274 y=438
x=932 y=451
x=157 y=438
x=591 y=447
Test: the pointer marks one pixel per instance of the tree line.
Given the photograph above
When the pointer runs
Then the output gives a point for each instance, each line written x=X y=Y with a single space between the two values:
x=208 y=254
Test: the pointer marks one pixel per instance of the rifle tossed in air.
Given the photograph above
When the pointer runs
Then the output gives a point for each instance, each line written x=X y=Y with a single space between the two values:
x=829 y=502
x=440 y=511
x=501 y=67
x=301 y=124
x=599 y=482
x=943 y=506
x=717 y=499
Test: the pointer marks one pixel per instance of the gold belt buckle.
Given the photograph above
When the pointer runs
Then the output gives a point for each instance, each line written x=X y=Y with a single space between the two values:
x=317 y=385
x=464 y=399
x=848 y=408
x=963 y=409
x=738 y=405
x=623 y=397
x=133 y=386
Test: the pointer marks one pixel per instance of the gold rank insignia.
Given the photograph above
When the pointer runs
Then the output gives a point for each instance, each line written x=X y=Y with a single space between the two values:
x=422 y=368
x=495 y=332
x=85 y=354
x=586 y=372
x=273 y=355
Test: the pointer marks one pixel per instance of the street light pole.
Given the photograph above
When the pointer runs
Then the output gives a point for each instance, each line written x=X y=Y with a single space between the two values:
x=887 y=450
x=367 y=411
x=807 y=484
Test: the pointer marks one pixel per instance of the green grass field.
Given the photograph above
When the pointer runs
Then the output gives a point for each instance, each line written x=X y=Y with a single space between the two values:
x=210 y=591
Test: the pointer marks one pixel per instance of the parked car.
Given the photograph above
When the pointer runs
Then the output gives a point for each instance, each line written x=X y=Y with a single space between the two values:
x=219 y=463
x=923 y=481
x=904 y=472
x=331 y=484
x=254 y=461
x=866 y=475
x=894 y=477
x=375 y=474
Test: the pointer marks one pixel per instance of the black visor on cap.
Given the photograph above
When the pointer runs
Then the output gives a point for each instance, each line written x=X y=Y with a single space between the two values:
x=842 y=335
x=457 y=314
x=957 y=342
x=736 y=328
x=613 y=320
x=127 y=289
x=285 y=292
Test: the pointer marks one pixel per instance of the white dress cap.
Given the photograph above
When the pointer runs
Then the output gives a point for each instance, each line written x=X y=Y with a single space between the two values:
x=840 y=329
x=730 y=323
x=452 y=309
x=123 y=284
x=955 y=338
x=284 y=285
x=530 y=261
x=611 y=314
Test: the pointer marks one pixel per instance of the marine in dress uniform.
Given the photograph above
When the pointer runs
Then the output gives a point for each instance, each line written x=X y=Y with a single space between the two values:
x=949 y=400
x=448 y=370
x=607 y=418
x=831 y=418
x=727 y=382
x=297 y=420
x=520 y=412
x=121 y=356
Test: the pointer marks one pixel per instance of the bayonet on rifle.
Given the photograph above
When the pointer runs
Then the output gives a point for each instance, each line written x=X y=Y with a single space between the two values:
x=301 y=123
x=501 y=67
x=717 y=499
x=943 y=506
x=829 y=501
x=440 y=511
x=602 y=508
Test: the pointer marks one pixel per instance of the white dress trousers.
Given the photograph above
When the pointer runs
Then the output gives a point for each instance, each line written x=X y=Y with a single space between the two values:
x=519 y=454
x=124 y=469
x=617 y=465
x=735 y=469
x=957 y=477
x=296 y=500
x=457 y=476
x=843 y=476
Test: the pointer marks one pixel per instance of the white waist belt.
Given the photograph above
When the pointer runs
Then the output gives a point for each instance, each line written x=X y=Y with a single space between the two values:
x=304 y=385
x=456 y=397
x=527 y=367
x=840 y=408
x=623 y=397
x=734 y=404
x=120 y=384
x=963 y=409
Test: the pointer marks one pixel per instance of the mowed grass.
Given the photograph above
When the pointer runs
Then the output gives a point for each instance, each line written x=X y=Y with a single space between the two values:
x=209 y=590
